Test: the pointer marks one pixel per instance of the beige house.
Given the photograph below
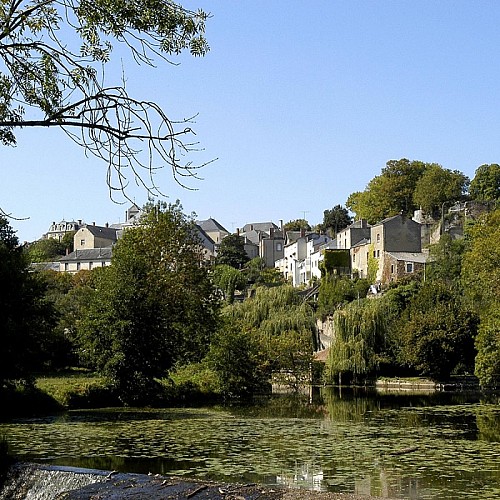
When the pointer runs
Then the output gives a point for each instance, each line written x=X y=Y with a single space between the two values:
x=94 y=237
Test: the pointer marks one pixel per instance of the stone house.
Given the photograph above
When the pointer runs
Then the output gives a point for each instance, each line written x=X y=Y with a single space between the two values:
x=394 y=235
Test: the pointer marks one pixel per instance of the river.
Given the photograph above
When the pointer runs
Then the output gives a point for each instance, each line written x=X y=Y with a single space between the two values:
x=399 y=445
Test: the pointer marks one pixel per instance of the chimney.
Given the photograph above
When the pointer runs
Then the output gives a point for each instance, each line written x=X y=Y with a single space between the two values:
x=107 y=224
x=93 y=223
x=271 y=232
x=238 y=231
x=79 y=222
x=302 y=232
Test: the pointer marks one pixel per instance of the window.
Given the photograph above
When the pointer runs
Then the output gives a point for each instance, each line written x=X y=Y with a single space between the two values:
x=374 y=253
x=378 y=254
x=66 y=266
x=378 y=237
x=91 y=265
x=102 y=264
x=278 y=247
x=82 y=243
x=392 y=268
x=77 y=266
x=354 y=258
x=409 y=267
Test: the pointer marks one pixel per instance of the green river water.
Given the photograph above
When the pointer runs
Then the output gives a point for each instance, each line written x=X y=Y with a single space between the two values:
x=436 y=446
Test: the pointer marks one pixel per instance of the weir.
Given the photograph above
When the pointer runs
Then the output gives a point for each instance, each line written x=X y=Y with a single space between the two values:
x=37 y=482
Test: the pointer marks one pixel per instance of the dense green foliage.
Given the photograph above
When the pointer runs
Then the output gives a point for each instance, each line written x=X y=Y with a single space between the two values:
x=486 y=183
x=26 y=317
x=481 y=279
x=436 y=332
x=335 y=291
x=439 y=185
x=335 y=220
x=232 y=252
x=296 y=225
x=284 y=329
x=403 y=186
x=227 y=279
x=359 y=345
x=154 y=306
x=50 y=249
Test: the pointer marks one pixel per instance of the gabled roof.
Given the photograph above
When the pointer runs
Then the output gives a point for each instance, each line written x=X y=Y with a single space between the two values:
x=259 y=226
x=102 y=232
x=418 y=257
x=211 y=225
x=206 y=241
x=89 y=254
x=360 y=243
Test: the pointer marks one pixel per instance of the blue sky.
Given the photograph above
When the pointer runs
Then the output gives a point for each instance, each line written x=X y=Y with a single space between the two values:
x=302 y=103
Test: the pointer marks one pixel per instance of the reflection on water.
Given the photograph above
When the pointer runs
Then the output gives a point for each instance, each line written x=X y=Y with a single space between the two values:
x=400 y=446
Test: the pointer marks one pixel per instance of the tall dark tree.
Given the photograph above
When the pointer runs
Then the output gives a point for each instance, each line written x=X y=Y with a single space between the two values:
x=26 y=318
x=154 y=306
x=335 y=220
x=54 y=54
x=232 y=252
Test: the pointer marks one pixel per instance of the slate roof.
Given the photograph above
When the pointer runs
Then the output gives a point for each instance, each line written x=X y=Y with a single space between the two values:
x=259 y=226
x=103 y=232
x=89 y=254
x=418 y=257
x=211 y=225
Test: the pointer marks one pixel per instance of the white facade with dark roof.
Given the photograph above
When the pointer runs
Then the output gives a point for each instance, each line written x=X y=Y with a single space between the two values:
x=88 y=259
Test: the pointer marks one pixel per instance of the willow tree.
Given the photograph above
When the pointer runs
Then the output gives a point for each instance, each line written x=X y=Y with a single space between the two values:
x=284 y=328
x=359 y=343
x=54 y=55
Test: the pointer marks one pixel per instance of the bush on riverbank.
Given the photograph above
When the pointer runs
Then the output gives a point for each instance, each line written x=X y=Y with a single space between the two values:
x=22 y=399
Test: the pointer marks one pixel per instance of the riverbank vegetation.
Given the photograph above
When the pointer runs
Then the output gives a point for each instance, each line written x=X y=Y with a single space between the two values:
x=159 y=327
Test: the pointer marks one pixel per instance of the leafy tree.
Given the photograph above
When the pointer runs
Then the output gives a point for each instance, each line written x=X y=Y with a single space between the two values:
x=481 y=283
x=45 y=250
x=487 y=367
x=154 y=306
x=70 y=295
x=335 y=220
x=232 y=252
x=26 y=318
x=228 y=279
x=234 y=356
x=336 y=291
x=437 y=332
x=446 y=259
x=438 y=185
x=481 y=262
x=55 y=53
x=297 y=225
x=389 y=193
x=486 y=183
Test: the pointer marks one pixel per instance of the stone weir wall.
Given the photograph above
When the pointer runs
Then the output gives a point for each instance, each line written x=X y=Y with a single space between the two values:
x=39 y=482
